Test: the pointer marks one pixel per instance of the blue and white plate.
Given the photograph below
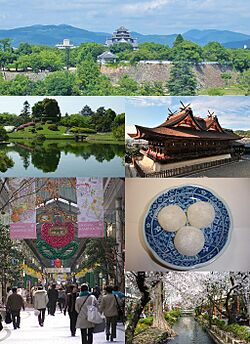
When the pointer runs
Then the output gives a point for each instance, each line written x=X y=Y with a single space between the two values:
x=161 y=242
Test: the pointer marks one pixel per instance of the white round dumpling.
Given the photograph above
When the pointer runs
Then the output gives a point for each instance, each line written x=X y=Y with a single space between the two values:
x=171 y=218
x=200 y=214
x=189 y=241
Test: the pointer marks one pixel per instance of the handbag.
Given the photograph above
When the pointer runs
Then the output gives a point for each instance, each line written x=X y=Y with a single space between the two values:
x=94 y=315
x=8 y=319
x=119 y=309
x=36 y=312
x=99 y=327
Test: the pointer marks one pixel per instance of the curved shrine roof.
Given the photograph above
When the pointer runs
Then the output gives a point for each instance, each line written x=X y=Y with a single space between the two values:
x=185 y=125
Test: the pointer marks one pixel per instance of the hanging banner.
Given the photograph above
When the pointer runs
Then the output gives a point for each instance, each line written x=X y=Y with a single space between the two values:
x=90 y=219
x=22 y=208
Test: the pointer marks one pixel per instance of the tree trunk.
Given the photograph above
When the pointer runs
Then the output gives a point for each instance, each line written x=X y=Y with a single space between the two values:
x=159 y=320
x=141 y=303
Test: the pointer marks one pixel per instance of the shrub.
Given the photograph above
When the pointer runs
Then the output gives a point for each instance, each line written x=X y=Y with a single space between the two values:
x=215 y=92
x=3 y=134
x=40 y=137
x=53 y=127
x=80 y=130
x=147 y=321
x=39 y=127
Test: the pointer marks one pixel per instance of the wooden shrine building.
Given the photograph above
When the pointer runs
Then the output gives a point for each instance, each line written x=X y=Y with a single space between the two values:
x=184 y=136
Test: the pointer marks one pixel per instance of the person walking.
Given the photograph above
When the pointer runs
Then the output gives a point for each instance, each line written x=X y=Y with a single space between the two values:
x=70 y=307
x=109 y=306
x=53 y=297
x=84 y=300
x=14 y=304
x=41 y=300
x=61 y=298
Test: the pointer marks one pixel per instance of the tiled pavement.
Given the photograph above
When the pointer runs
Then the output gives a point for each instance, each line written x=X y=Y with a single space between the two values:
x=55 y=331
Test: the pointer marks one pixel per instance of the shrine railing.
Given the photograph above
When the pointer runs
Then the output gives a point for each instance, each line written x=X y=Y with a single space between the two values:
x=184 y=170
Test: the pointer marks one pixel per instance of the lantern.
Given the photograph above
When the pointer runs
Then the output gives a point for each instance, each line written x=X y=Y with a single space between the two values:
x=58 y=263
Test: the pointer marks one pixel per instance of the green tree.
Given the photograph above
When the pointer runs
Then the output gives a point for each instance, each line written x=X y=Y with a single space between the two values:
x=93 y=49
x=121 y=47
x=214 y=51
x=60 y=83
x=244 y=81
x=10 y=255
x=241 y=59
x=24 y=49
x=37 y=111
x=87 y=74
x=182 y=80
x=25 y=113
x=187 y=51
x=3 y=134
x=127 y=86
x=103 y=119
x=51 y=110
x=178 y=40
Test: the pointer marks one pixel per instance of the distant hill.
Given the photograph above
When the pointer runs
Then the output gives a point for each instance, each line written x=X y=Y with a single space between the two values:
x=238 y=44
x=54 y=34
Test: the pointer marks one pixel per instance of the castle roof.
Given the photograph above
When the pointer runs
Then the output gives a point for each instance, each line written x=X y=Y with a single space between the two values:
x=184 y=124
x=107 y=55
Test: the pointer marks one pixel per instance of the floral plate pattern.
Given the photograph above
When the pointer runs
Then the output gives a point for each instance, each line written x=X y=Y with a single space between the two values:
x=161 y=243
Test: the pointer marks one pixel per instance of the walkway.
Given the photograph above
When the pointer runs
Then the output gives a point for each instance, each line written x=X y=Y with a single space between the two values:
x=55 y=331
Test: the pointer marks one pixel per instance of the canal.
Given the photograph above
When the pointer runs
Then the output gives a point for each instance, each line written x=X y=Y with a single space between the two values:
x=190 y=331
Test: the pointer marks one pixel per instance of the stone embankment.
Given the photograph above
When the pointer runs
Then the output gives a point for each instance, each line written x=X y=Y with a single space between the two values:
x=151 y=336
x=207 y=75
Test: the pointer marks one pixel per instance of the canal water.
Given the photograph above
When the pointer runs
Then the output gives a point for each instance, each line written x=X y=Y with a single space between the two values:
x=190 y=332
x=64 y=159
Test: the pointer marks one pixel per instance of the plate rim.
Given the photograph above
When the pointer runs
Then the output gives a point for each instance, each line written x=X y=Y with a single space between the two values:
x=183 y=268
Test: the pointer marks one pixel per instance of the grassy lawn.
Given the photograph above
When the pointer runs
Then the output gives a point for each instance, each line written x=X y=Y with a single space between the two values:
x=60 y=135
x=222 y=91
x=50 y=134
x=103 y=137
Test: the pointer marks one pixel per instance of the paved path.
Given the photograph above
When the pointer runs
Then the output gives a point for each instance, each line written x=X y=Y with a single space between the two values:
x=239 y=169
x=55 y=331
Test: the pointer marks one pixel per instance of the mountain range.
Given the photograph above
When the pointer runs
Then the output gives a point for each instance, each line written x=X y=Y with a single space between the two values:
x=54 y=34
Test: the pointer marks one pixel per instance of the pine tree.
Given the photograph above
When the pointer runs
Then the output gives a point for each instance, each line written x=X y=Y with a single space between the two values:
x=25 y=113
x=182 y=80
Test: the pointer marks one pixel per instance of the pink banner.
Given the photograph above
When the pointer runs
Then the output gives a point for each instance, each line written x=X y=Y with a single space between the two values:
x=23 y=208
x=90 y=202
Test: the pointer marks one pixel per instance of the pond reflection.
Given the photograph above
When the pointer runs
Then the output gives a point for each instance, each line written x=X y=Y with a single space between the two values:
x=64 y=158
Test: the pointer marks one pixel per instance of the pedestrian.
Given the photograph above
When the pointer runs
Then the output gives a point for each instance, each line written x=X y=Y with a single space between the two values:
x=40 y=303
x=9 y=292
x=109 y=306
x=84 y=300
x=53 y=297
x=96 y=292
x=14 y=304
x=70 y=307
x=61 y=298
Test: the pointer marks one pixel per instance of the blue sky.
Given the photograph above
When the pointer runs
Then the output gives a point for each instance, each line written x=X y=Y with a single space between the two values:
x=232 y=112
x=144 y=16
x=67 y=104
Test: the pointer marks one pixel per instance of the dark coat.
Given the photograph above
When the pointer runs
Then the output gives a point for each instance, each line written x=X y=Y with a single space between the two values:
x=53 y=296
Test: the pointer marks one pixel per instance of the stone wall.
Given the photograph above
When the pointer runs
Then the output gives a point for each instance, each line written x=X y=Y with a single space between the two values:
x=207 y=75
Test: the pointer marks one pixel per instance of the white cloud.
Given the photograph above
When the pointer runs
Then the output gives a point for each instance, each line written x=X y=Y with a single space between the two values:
x=148 y=101
x=145 y=6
